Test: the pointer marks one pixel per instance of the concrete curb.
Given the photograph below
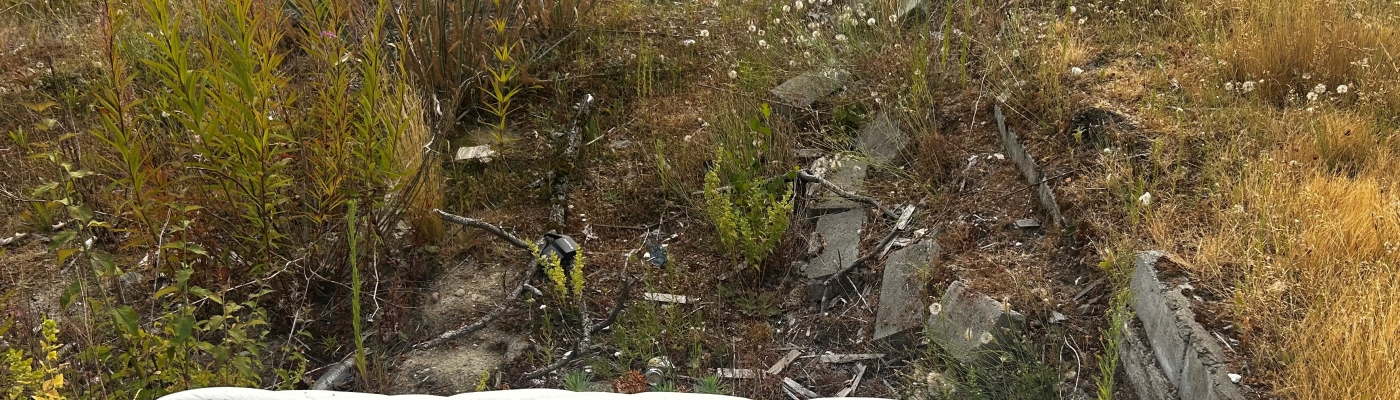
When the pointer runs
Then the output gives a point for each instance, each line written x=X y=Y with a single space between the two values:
x=1187 y=359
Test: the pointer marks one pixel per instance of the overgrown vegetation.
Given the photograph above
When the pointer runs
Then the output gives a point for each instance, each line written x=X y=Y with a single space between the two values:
x=204 y=184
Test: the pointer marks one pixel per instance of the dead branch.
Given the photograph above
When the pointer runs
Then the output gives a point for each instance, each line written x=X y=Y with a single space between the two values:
x=337 y=375
x=500 y=309
x=565 y=161
x=483 y=225
x=586 y=344
x=867 y=200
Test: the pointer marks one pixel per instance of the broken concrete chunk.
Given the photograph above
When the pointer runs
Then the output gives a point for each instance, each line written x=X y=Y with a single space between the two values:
x=804 y=90
x=1027 y=223
x=782 y=364
x=732 y=373
x=907 y=7
x=1029 y=169
x=881 y=139
x=839 y=238
x=970 y=326
x=481 y=153
x=901 y=291
x=1185 y=352
x=845 y=172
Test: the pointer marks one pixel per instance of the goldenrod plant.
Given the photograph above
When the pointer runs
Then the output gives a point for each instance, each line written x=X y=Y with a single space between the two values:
x=749 y=216
x=29 y=377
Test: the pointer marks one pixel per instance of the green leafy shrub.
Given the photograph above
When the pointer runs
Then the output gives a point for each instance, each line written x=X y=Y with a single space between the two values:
x=750 y=215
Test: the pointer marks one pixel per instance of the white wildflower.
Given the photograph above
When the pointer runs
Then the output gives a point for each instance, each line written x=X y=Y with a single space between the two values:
x=806 y=54
x=1072 y=9
x=762 y=43
x=687 y=42
x=1247 y=86
x=798 y=5
x=1146 y=198
x=1076 y=71
x=786 y=9
x=752 y=28
x=704 y=33
x=870 y=22
x=893 y=18
x=1320 y=88
x=761 y=32
x=1341 y=89
x=841 y=38
x=733 y=74
x=1312 y=96
x=1229 y=86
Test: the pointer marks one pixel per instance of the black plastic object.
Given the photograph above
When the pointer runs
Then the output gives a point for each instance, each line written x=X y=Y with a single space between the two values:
x=562 y=245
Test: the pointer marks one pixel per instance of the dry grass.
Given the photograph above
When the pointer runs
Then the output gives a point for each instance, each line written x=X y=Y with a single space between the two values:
x=1308 y=224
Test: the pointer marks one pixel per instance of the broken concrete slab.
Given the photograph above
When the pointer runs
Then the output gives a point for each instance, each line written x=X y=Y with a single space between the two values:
x=907 y=7
x=845 y=172
x=482 y=153
x=901 y=292
x=1185 y=352
x=1140 y=366
x=881 y=139
x=1029 y=169
x=970 y=326
x=800 y=92
x=839 y=238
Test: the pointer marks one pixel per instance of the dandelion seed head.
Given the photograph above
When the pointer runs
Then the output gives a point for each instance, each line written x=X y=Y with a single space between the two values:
x=870 y=22
x=1342 y=89
x=733 y=74
x=1247 y=86
x=1320 y=88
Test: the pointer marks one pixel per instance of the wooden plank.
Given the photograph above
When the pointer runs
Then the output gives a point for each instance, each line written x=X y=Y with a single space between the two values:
x=855 y=382
x=732 y=373
x=798 y=388
x=845 y=358
x=782 y=364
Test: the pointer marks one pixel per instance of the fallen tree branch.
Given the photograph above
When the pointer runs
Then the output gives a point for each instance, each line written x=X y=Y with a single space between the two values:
x=867 y=200
x=483 y=225
x=336 y=376
x=586 y=344
x=564 y=162
x=500 y=309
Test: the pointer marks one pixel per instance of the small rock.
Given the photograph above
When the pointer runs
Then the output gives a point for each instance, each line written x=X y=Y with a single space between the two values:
x=1235 y=378
x=1056 y=317
x=460 y=292
x=1027 y=223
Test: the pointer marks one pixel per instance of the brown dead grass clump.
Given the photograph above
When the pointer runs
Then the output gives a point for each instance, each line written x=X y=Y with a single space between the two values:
x=1290 y=46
